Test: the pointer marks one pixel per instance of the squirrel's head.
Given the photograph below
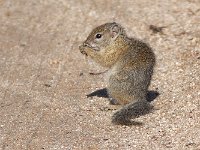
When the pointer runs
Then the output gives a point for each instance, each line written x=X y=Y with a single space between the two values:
x=101 y=40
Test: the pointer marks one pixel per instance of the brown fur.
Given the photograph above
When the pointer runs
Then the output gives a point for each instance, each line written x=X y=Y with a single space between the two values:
x=131 y=62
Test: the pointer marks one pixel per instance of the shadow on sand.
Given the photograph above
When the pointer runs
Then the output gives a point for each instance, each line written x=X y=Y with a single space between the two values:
x=151 y=95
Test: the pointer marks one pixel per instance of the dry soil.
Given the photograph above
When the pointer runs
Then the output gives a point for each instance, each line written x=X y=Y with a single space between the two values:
x=44 y=79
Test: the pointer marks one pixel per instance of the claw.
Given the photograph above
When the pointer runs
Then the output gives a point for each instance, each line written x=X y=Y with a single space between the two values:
x=81 y=48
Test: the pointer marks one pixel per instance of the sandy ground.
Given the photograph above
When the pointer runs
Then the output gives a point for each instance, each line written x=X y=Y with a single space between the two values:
x=44 y=79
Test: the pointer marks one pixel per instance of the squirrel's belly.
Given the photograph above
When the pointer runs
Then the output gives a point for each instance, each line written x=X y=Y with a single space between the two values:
x=112 y=71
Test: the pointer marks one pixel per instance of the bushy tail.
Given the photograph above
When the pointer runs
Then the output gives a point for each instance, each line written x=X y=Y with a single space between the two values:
x=131 y=111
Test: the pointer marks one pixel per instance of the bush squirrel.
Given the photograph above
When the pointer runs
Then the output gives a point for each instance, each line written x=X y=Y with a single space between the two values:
x=131 y=64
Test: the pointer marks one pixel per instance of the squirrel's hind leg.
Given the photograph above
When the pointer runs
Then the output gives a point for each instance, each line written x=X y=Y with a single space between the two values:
x=113 y=101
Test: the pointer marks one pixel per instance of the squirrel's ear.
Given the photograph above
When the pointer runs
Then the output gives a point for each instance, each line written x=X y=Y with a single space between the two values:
x=116 y=30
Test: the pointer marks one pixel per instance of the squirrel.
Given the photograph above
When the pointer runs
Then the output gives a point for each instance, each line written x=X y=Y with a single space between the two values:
x=131 y=63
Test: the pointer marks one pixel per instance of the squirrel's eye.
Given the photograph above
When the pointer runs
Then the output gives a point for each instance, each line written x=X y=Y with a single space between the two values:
x=98 y=36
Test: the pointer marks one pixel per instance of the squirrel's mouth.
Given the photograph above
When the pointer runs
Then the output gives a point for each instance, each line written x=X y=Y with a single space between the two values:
x=91 y=46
